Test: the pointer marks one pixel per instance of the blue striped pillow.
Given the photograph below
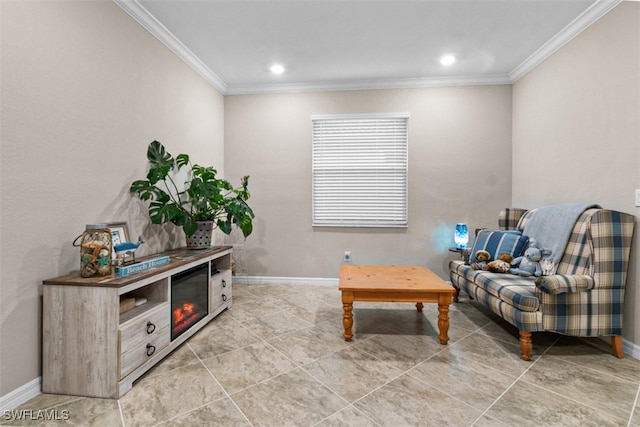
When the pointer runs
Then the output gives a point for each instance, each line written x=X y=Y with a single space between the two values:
x=511 y=242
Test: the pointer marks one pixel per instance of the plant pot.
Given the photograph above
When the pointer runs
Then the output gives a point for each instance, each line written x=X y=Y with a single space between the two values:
x=202 y=237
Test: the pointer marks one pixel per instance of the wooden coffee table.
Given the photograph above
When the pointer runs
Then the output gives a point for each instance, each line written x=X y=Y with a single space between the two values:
x=394 y=284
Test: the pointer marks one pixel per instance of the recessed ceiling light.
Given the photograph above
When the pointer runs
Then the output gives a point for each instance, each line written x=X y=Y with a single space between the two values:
x=447 y=60
x=277 y=69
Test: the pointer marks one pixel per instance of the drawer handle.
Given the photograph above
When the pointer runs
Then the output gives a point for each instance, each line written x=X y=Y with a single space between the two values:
x=150 y=350
x=224 y=297
x=224 y=283
x=150 y=327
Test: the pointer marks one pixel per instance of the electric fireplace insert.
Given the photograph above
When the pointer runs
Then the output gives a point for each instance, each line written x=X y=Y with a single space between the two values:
x=189 y=298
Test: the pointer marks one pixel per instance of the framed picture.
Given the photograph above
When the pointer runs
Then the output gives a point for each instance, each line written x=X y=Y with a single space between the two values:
x=119 y=234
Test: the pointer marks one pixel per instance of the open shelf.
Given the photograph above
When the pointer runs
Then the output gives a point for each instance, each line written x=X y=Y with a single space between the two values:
x=220 y=265
x=155 y=293
x=137 y=311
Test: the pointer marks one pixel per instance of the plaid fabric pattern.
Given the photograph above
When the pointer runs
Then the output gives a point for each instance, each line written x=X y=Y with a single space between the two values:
x=523 y=320
x=579 y=251
x=585 y=298
x=597 y=312
x=508 y=219
x=524 y=218
x=611 y=235
x=586 y=314
x=517 y=291
x=562 y=283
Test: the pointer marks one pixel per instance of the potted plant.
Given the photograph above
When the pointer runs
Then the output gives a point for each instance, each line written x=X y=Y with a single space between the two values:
x=201 y=203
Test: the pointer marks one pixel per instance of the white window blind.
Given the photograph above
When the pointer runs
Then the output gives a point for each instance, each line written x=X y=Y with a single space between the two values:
x=360 y=170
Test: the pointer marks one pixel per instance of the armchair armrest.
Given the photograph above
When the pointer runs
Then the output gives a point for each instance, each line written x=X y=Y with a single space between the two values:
x=565 y=283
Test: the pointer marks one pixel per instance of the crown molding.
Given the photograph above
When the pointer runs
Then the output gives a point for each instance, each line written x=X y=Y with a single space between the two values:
x=371 y=84
x=575 y=27
x=159 y=31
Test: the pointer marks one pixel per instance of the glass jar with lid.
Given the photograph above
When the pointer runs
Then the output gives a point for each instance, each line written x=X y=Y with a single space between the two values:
x=95 y=251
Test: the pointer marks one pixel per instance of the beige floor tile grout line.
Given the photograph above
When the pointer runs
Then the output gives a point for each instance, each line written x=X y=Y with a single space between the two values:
x=514 y=382
x=634 y=407
x=221 y=387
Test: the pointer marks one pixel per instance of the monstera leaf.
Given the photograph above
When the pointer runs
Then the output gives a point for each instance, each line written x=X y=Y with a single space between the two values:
x=202 y=197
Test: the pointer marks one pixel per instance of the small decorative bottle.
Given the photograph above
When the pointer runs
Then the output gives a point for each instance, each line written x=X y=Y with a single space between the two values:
x=95 y=251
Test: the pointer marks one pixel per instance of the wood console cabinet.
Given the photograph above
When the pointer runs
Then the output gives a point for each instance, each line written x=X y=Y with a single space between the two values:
x=91 y=349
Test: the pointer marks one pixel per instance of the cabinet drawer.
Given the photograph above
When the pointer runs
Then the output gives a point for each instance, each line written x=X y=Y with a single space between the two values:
x=220 y=289
x=144 y=350
x=144 y=327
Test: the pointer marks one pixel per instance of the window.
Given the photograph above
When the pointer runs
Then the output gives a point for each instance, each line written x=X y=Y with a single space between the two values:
x=360 y=170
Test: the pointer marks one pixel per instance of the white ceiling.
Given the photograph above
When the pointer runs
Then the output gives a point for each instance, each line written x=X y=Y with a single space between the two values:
x=351 y=44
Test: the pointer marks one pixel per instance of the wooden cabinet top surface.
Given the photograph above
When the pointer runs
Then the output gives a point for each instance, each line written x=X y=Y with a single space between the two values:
x=178 y=257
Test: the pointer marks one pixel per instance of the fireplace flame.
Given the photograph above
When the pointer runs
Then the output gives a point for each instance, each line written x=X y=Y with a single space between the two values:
x=188 y=308
x=185 y=311
x=184 y=315
x=178 y=316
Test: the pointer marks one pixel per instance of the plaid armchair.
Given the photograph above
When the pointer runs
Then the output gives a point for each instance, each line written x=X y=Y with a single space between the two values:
x=584 y=298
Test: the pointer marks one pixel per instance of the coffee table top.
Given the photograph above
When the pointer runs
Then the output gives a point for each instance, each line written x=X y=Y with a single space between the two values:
x=391 y=278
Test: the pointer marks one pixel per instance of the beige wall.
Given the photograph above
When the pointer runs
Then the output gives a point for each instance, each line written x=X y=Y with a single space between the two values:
x=576 y=129
x=459 y=171
x=84 y=90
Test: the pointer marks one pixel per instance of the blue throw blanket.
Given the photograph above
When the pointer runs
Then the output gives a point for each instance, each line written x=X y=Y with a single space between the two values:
x=551 y=227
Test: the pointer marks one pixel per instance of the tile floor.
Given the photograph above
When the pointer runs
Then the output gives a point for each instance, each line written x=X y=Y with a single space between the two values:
x=277 y=358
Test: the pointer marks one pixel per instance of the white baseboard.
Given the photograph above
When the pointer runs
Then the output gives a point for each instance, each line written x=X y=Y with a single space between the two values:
x=630 y=349
x=270 y=280
x=20 y=395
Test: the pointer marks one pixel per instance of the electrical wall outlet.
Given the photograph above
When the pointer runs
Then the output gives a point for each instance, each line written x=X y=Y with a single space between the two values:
x=637 y=197
x=347 y=256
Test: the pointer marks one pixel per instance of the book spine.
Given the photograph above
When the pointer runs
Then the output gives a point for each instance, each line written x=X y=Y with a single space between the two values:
x=141 y=266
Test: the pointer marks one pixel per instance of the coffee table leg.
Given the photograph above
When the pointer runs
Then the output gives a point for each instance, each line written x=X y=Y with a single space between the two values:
x=347 y=315
x=443 y=318
x=419 y=306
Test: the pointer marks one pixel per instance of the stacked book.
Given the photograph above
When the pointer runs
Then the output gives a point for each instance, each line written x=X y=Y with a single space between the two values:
x=126 y=270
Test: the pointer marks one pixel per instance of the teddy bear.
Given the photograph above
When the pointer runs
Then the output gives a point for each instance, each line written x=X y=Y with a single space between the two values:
x=502 y=265
x=529 y=263
x=482 y=260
